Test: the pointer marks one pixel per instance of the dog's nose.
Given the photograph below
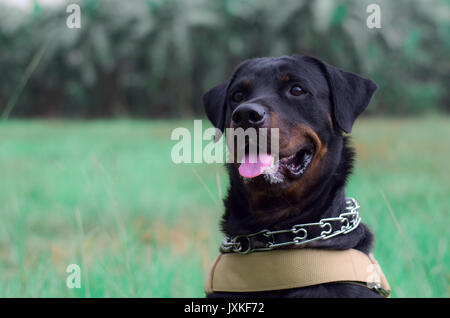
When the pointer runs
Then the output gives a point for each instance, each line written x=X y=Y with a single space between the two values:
x=248 y=115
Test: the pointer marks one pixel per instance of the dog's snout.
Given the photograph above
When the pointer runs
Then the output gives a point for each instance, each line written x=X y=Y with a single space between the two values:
x=248 y=115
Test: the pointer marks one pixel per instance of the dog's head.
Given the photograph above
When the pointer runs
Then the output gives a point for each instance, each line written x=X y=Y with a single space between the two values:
x=310 y=102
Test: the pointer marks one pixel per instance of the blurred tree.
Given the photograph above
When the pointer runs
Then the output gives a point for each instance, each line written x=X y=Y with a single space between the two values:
x=155 y=58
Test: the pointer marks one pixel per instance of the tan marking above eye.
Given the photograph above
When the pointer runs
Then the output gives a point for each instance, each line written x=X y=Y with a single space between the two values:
x=245 y=83
x=285 y=78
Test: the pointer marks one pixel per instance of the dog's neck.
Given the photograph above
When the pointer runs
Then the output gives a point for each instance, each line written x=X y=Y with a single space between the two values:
x=329 y=201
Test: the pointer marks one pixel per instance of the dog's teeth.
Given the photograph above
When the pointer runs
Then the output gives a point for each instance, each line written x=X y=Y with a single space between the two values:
x=273 y=178
x=273 y=168
x=270 y=174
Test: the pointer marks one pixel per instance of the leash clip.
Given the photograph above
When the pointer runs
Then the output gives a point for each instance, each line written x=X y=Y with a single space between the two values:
x=380 y=290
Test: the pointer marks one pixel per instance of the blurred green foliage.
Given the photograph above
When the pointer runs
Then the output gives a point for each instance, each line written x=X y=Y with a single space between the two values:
x=97 y=194
x=154 y=58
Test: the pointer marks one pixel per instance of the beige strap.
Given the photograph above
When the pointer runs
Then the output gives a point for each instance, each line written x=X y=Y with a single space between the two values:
x=292 y=268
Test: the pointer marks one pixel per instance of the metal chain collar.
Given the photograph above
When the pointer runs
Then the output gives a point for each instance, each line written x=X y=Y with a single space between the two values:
x=348 y=221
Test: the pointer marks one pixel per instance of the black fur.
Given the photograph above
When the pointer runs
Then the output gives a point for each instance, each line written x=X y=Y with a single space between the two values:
x=349 y=93
x=330 y=92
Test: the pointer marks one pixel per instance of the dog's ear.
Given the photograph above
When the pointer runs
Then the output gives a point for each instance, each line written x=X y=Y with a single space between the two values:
x=350 y=94
x=214 y=103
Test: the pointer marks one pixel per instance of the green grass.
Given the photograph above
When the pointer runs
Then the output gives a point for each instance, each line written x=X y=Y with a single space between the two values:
x=106 y=196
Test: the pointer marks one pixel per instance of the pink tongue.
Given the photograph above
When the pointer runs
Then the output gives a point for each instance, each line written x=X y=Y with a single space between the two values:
x=254 y=165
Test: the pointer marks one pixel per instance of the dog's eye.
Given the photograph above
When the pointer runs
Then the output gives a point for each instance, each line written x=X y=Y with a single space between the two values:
x=296 y=90
x=237 y=97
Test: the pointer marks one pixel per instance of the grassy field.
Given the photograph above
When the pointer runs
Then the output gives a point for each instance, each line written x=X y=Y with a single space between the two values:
x=106 y=196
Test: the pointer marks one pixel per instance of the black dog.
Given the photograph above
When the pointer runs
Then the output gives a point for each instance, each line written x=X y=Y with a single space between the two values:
x=312 y=104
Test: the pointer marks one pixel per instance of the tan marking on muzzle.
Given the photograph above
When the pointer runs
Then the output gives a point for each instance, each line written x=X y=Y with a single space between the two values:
x=306 y=183
x=331 y=122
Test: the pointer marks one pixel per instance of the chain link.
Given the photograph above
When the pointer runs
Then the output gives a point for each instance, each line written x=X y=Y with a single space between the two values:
x=349 y=220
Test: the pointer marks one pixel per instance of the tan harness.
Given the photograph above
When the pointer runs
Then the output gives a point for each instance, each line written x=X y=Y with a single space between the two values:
x=293 y=268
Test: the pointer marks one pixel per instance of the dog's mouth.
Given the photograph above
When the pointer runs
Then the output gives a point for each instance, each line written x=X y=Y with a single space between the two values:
x=288 y=167
x=296 y=165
